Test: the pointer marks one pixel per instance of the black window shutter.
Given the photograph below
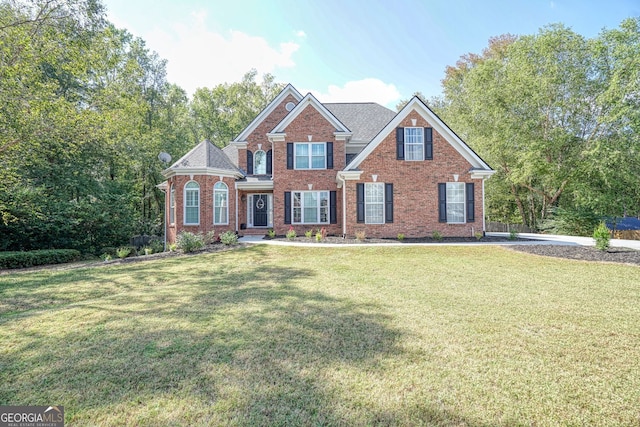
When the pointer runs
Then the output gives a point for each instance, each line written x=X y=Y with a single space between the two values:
x=442 y=202
x=329 y=155
x=388 y=203
x=471 y=204
x=428 y=143
x=360 y=199
x=269 y=162
x=249 y=162
x=287 y=207
x=289 y=155
x=400 y=143
x=333 y=211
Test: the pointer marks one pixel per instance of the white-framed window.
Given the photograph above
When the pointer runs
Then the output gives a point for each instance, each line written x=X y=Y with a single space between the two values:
x=455 y=203
x=192 y=203
x=413 y=143
x=172 y=205
x=310 y=207
x=220 y=203
x=259 y=163
x=374 y=203
x=312 y=155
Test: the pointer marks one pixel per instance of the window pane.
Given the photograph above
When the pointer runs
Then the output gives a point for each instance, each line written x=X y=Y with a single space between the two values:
x=374 y=193
x=374 y=213
x=455 y=202
x=414 y=143
x=260 y=163
x=318 y=162
x=374 y=203
x=191 y=215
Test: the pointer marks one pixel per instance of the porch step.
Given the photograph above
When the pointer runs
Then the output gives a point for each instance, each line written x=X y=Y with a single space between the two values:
x=253 y=232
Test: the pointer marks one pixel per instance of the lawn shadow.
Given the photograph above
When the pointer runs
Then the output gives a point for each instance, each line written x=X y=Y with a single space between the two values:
x=222 y=344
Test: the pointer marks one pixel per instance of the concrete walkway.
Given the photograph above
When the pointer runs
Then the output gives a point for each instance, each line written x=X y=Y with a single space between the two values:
x=536 y=239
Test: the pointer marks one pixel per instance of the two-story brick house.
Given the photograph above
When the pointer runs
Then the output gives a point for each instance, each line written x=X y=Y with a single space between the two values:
x=343 y=167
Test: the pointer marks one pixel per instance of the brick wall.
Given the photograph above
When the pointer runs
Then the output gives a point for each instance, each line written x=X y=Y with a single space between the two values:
x=415 y=187
x=308 y=122
x=206 y=205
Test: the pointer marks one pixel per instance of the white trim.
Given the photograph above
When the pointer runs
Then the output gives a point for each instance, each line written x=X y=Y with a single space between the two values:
x=254 y=185
x=318 y=207
x=484 y=225
x=414 y=144
x=239 y=144
x=343 y=176
x=168 y=173
x=226 y=205
x=184 y=203
x=288 y=90
x=310 y=155
x=276 y=137
x=310 y=100
x=478 y=174
x=415 y=104
x=172 y=209
x=464 y=202
x=377 y=184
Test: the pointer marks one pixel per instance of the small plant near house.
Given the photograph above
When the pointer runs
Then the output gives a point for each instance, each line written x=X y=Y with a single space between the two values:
x=513 y=235
x=321 y=234
x=157 y=246
x=271 y=233
x=291 y=234
x=229 y=238
x=106 y=257
x=361 y=236
x=210 y=238
x=478 y=235
x=308 y=234
x=602 y=237
x=436 y=235
x=401 y=237
x=189 y=242
x=172 y=247
x=123 y=252
x=148 y=250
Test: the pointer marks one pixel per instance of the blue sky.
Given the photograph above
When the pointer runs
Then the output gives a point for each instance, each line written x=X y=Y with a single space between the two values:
x=342 y=51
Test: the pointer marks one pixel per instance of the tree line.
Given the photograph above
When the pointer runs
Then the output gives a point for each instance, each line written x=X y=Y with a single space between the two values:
x=557 y=115
x=86 y=109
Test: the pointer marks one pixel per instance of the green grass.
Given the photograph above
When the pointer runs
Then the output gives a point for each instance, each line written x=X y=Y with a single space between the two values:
x=450 y=336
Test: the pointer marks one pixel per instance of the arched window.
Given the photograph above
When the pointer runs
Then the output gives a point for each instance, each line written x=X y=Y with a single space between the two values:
x=192 y=203
x=259 y=163
x=172 y=205
x=220 y=203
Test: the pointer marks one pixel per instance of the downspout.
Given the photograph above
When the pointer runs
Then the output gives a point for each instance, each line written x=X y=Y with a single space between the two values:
x=236 y=209
x=484 y=225
x=344 y=205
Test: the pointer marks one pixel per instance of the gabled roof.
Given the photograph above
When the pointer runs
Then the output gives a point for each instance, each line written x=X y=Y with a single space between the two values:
x=204 y=158
x=232 y=153
x=310 y=100
x=478 y=166
x=288 y=90
x=364 y=119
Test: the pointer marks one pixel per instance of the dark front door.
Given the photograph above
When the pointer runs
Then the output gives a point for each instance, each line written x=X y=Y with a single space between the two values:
x=260 y=210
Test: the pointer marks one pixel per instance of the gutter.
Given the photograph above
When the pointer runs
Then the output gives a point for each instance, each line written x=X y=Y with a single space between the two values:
x=344 y=205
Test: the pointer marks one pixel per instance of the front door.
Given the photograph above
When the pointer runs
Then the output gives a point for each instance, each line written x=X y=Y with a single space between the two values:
x=260 y=209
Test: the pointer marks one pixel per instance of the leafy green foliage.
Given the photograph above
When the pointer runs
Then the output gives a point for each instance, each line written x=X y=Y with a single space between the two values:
x=229 y=238
x=123 y=252
x=602 y=236
x=38 y=257
x=291 y=233
x=436 y=235
x=189 y=242
x=574 y=222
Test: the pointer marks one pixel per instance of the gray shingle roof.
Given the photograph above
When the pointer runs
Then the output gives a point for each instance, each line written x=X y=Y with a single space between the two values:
x=232 y=153
x=205 y=155
x=364 y=119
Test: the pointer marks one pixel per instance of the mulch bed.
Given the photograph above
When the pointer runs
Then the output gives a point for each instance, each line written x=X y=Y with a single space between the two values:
x=584 y=253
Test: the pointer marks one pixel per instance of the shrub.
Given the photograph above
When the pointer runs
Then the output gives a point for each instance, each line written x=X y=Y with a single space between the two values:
x=579 y=221
x=401 y=236
x=148 y=250
x=479 y=235
x=123 y=252
x=291 y=234
x=602 y=236
x=361 y=235
x=229 y=238
x=513 y=235
x=437 y=236
x=39 y=257
x=271 y=233
x=106 y=257
x=156 y=246
x=210 y=238
x=308 y=234
x=189 y=242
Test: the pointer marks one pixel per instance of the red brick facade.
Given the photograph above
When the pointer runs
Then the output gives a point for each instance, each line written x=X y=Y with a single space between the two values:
x=415 y=183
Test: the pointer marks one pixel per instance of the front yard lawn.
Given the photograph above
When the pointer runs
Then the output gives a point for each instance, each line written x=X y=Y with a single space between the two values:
x=463 y=336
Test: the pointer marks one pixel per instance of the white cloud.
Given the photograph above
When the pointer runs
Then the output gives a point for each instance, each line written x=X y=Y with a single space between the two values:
x=365 y=90
x=301 y=34
x=200 y=57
